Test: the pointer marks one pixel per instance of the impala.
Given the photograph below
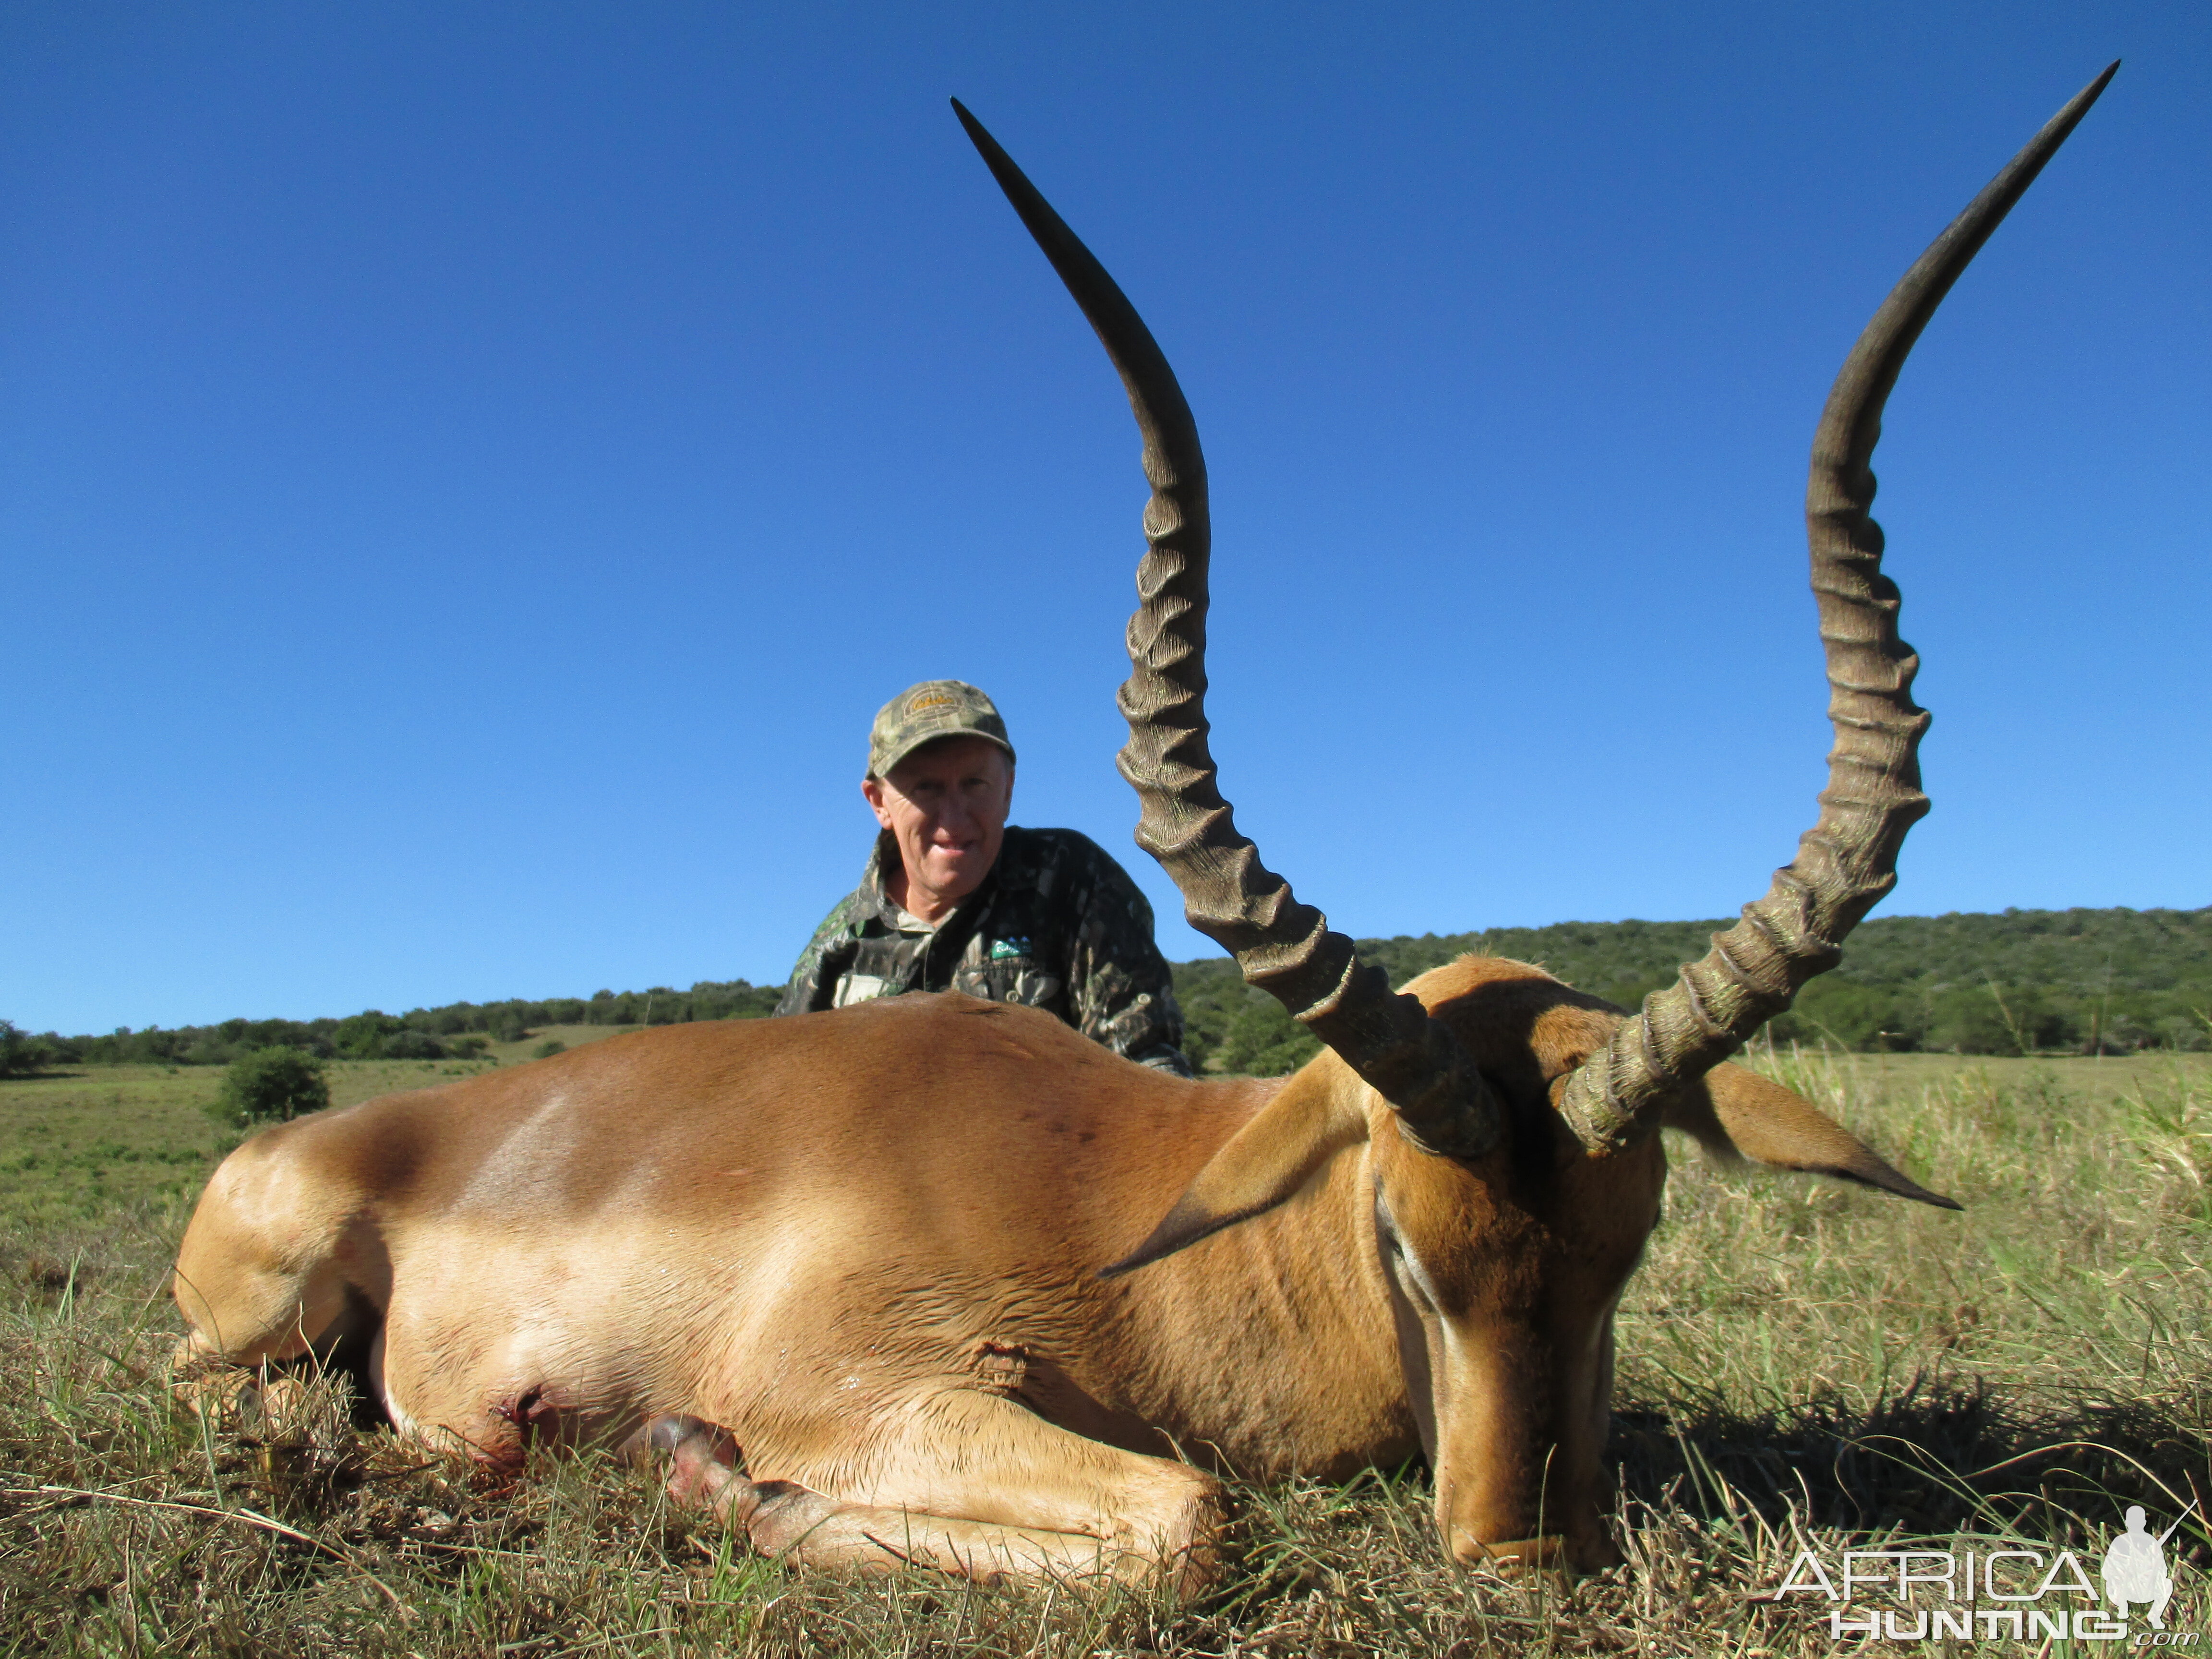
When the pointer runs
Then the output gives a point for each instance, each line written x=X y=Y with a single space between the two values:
x=936 y=1280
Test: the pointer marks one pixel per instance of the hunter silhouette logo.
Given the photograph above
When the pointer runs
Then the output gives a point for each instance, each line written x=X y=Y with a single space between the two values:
x=2134 y=1567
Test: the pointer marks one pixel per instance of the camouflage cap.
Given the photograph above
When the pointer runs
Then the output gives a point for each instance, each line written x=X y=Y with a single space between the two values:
x=922 y=713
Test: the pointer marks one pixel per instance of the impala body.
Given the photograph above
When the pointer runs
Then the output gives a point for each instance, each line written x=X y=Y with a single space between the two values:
x=866 y=1244
x=939 y=1280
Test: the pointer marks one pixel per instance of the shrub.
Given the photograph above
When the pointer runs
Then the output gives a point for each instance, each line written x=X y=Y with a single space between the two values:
x=2181 y=1031
x=1262 y=1040
x=548 y=1048
x=413 y=1045
x=363 y=1037
x=270 y=1085
x=21 y=1052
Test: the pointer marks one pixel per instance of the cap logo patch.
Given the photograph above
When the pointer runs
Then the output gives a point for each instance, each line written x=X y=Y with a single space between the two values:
x=936 y=701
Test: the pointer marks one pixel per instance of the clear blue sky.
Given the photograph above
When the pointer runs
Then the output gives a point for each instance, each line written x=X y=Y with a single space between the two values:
x=469 y=474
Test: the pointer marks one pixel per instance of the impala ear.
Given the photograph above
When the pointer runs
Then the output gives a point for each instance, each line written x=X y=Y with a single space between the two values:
x=1266 y=1162
x=1734 y=1113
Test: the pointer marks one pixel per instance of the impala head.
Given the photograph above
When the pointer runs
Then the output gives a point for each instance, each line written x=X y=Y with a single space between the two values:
x=1506 y=1122
x=1503 y=1267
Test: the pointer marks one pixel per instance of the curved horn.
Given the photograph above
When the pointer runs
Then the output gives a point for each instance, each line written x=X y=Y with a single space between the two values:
x=1283 y=946
x=1848 y=860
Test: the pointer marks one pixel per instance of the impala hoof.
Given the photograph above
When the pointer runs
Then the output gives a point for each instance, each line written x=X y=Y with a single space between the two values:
x=670 y=1434
x=703 y=1458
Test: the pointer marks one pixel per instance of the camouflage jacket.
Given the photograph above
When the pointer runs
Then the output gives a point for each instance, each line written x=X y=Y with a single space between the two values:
x=1057 y=925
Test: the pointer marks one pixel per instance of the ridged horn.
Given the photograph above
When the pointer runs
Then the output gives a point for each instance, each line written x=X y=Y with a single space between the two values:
x=1848 y=860
x=1283 y=946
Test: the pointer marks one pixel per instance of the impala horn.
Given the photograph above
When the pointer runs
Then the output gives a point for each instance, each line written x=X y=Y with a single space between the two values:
x=1848 y=860
x=1285 y=948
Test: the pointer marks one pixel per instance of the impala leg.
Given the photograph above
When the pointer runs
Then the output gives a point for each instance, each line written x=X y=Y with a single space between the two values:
x=985 y=1490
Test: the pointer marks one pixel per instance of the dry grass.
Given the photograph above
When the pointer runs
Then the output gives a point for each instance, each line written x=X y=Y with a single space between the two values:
x=1801 y=1361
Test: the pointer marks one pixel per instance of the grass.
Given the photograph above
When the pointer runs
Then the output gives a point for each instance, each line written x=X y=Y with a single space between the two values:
x=569 y=1036
x=90 y=1142
x=82 y=1142
x=1802 y=1363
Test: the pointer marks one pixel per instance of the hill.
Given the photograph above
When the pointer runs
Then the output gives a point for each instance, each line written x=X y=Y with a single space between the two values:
x=2020 y=982
x=462 y=1028
x=2024 y=981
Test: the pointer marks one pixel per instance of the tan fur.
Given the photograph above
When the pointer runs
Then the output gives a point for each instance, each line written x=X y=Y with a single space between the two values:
x=867 y=1245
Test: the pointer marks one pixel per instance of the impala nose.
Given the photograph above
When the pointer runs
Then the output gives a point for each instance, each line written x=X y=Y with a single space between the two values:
x=1514 y=1556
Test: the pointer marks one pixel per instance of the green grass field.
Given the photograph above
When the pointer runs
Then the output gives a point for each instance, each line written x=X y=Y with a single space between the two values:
x=1801 y=1363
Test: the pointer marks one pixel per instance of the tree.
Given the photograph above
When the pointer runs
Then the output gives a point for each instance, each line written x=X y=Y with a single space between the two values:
x=20 y=1052
x=270 y=1085
x=363 y=1036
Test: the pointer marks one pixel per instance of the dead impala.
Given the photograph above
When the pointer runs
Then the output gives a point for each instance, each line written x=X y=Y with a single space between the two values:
x=968 y=1290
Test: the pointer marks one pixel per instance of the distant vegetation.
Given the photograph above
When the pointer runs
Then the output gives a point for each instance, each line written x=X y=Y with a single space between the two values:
x=20 y=1051
x=458 y=1029
x=2026 y=981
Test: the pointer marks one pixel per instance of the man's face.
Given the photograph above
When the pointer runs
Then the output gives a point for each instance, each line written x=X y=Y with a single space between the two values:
x=946 y=805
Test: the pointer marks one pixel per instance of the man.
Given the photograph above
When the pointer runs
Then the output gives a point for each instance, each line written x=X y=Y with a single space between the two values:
x=956 y=899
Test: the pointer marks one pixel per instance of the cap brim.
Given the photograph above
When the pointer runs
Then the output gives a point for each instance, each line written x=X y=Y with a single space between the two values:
x=884 y=767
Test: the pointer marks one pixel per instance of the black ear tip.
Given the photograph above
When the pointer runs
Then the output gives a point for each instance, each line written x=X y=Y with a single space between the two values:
x=1879 y=1174
x=1919 y=1195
